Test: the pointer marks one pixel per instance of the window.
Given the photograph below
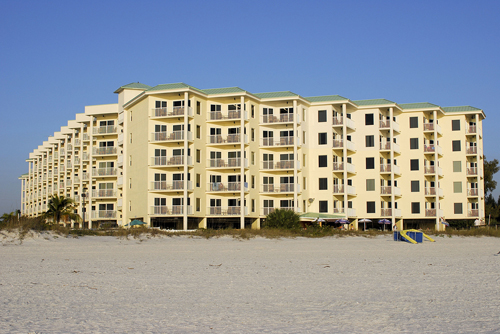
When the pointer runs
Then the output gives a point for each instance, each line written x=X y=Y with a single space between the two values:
x=304 y=183
x=321 y=116
x=198 y=112
x=369 y=119
x=322 y=138
x=252 y=157
x=414 y=164
x=370 y=141
x=198 y=131
x=414 y=122
x=370 y=207
x=130 y=137
x=457 y=187
x=370 y=185
x=413 y=143
x=253 y=181
x=322 y=161
x=198 y=180
x=415 y=186
x=253 y=134
x=303 y=160
x=455 y=125
x=415 y=207
x=253 y=205
x=323 y=183
x=323 y=206
x=253 y=111
x=457 y=166
x=198 y=156
x=198 y=203
x=370 y=163
x=457 y=208
x=456 y=146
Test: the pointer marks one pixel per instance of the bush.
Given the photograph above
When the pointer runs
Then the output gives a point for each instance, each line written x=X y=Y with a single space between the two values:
x=282 y=219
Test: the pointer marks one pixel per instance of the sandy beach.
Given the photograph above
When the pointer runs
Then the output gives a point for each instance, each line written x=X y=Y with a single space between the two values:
x=183 y=285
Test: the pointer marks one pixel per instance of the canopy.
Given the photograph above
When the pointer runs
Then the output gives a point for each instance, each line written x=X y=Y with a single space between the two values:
x=342 y=221
x=135 y=222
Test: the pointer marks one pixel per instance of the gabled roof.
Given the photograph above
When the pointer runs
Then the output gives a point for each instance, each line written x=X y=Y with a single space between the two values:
x=325 y=98
x=271 y=95
x=460 y=109
x=227 y=90
x=418 y=105
x=173 y=86
x=373 y=102
x=133 y=85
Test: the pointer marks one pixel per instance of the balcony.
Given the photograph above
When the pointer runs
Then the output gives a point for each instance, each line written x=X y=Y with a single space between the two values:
x=176 y=160
x=121 y=117
x=473 y=192
x=387 y=147
x=386 y=125
x=386 y=212
x=433 y=212
x=230 y=163
x=86 y=137
x=432 y=191
x=471 y=129
x=119 y=182
x=70 y=147
x=77 y=160
x=339 y=144
x=102 y=172
x=120 y=139
x=350 y=212
x=282 y=141
x=266 y=211
x=387 y=190
x=226 y=186
x=174 y=112
x=85 y=156
x=77 y=179
x=172 y=136
x=384 y=169
x=339 y=190
x=173 y=185
x=104 y=150
x=69 y=183
x=120 y=161
x=432 y=149
x=471 y=150
x=85 y=176
x=471 y=171
x=173 y=210
x=279 y=165
x=228 y=139
x=280 y=188
x=429 y=127
x=473 y=213
x=339 y=121
x=228 y=115
x=226 y=210
x=282 y=118
x=103 y=193
x=104 y=214
x=339 y=167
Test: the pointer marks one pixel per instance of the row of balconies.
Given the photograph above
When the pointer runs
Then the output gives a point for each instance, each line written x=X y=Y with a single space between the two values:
x=170 y=112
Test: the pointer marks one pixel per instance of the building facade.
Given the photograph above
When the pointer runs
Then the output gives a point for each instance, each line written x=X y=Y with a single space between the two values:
x=179 y=157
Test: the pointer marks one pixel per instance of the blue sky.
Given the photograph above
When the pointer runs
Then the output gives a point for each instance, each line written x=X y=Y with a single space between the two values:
x=58 y=56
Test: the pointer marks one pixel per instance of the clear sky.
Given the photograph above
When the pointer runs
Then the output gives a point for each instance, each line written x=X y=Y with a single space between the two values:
x=58 y=56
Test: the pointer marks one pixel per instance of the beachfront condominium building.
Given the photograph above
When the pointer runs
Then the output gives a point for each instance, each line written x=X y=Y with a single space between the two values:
x=179 y=157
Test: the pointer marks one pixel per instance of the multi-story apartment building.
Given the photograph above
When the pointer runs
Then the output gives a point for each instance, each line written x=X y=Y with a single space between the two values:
x=180 y=157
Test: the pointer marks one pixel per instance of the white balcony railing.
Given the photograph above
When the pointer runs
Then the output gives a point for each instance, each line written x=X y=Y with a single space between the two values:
x=472 y=192
x=282 y=118
x=170 y=136
x=226 y=115
x=471 y=150
x=103 y=214
x=170 y=112
x=339 y=143
x=226 y=210
x=279 y=141
x=228 y=139
x=172 y=210
x=226 y=186
x=110 y=129
x=176 y=160
x=280 y=188
x=172 y=185
x=102 y=172
x=226 y=163
x=100 y=193
x=104 y=150
x=473 y=213
x=283 y=164
x=472 y=171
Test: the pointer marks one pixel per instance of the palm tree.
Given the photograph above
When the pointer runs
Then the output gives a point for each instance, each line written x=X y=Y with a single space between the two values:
x=61 y=207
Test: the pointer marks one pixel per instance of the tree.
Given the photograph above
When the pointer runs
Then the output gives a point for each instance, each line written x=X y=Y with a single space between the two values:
x=490 y=169
x=8 y=217
x=61 y=207
x=282 y=219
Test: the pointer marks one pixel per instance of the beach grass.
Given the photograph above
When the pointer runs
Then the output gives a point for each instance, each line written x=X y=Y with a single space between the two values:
x=24 y=226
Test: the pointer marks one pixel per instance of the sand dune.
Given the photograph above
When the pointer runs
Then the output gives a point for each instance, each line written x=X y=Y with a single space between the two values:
x=184 y=285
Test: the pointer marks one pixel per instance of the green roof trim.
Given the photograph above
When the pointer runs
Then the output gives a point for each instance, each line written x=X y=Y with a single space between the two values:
x=418 y=105
x=173 y=86
x=271 y=95
x=373 y=102
x=227 y=90
x=325 y=98
x=133 y=85
x=460 y=109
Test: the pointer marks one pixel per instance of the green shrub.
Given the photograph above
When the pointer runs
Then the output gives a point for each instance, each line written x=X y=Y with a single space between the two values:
x=287 y=219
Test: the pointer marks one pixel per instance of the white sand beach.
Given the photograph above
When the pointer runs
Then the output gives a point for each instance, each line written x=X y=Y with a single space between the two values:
x=186 y=285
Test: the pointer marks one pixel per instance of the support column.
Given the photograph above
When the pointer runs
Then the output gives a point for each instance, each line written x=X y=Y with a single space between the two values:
x=185 y=193
x=344 y=158
x=242 y=164
x=296 y=158
x=393 y=187
x=436 y=167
